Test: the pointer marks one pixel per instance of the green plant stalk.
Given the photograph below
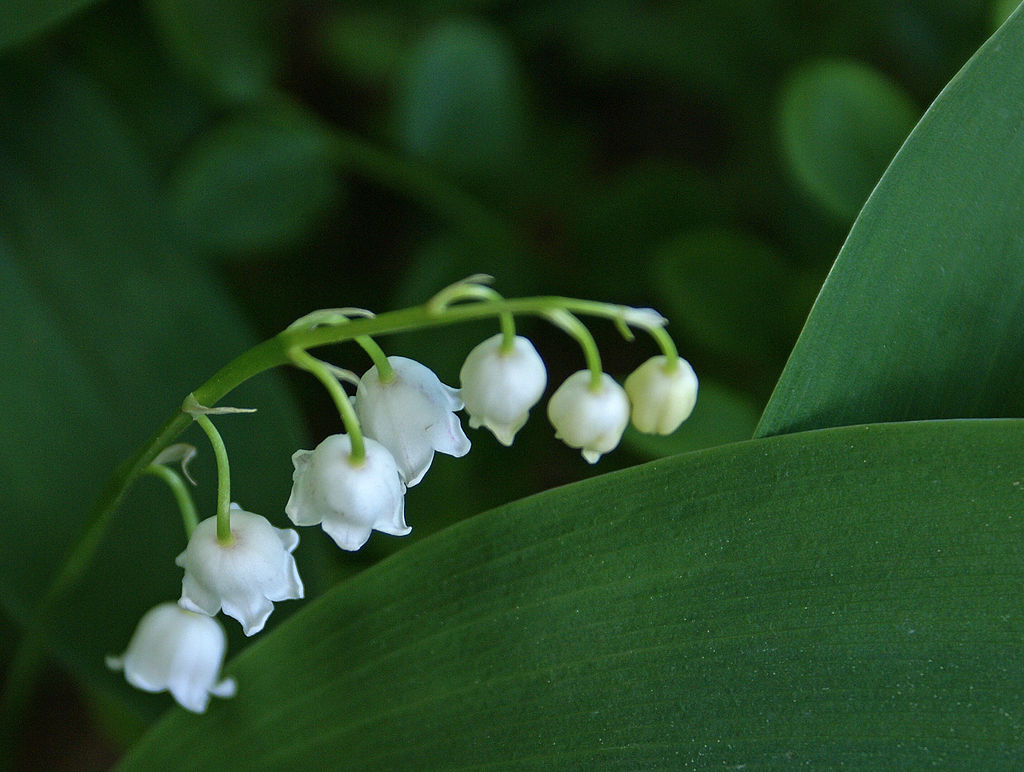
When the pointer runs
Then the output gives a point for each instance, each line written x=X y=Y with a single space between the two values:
x=319 y=370
x=581 y=334
x=385 y=373
x=182 y=495
x=264 y=356
x=474 y=291
x=668 y=348
x=224 y=536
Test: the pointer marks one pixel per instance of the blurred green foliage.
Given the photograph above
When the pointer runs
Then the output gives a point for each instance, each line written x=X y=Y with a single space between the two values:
x=172 y=190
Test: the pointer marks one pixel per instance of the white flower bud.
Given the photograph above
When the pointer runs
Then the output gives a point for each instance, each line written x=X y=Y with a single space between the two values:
x=348 y=500
x=243 y=577
x=661 y=400
x=412 y=416
x=177 y=651
x=499 y=387
x=589 y=419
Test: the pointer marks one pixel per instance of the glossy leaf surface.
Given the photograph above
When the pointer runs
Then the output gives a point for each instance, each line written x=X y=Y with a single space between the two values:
x=922 y=312
x=847 y=595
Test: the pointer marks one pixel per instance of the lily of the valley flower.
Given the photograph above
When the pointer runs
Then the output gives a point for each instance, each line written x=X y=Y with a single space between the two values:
x=411 y=415
x=348 y=500
x=499 y=387
x=592 y=420
x=662 y=398
x=177 y=651
x=245 y=576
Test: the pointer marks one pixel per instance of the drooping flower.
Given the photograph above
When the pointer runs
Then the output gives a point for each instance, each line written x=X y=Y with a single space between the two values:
x=348 y=500
x=661 y=399
x=243 y=577
x=499 y=387
x=412 y=415
x=589 y=419
x=177 y=651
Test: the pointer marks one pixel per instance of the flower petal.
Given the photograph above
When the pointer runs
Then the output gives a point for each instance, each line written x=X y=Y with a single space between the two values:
x=178 y=651
x=244 y=576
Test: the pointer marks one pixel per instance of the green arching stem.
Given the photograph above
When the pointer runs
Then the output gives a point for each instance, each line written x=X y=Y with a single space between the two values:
x=385 y=373
x=224 y=536
x=668 y=348
x=323 y=374
x=264 y=356
x=182 y=495
x=508 y=333
x=463 y=291
x=578 y=330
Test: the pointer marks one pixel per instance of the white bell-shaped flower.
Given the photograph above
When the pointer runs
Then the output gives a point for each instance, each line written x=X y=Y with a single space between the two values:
x=499 y=387
x=592 y=420
x=348 y=500
x=177 y=651
x=661 y=400
x=411 y=415
x=243 y=577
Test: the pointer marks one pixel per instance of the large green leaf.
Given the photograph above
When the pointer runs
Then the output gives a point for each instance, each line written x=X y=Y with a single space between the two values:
x=105 y=326
x=921 y=316
x=842 y=597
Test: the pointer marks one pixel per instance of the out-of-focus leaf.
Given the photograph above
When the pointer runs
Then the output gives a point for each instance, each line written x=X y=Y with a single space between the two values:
x=723 y=289
x=363 y=44
x=846 y=597
x=839 y=124
x=162 y=107
x=225 y=45
x=1001 y=10
x=712 y=47
x=105 y=325
x=722 y=415
x=21 y=19
x=921 y=316
x=253 y=182
x=458 y=101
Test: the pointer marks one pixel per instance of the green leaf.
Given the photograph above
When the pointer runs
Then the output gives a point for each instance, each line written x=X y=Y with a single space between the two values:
x=227 y=46
x=256 y=181
x=105 y=325
x=921 y=316
x=1001 y=10
x=363 y=44
x=839 y=123
x=843 y=597
x=22 y=19
x=458 y=102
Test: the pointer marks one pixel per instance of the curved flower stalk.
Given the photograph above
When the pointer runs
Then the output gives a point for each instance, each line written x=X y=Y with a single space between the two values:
x=244 y=576
x=588 y=418
x=663 y=393
x=348 y=500
x=412 y=415
x=177 y=651
x=500 y=386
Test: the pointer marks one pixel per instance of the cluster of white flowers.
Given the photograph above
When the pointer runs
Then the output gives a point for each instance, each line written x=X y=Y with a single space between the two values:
x=404 y=419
